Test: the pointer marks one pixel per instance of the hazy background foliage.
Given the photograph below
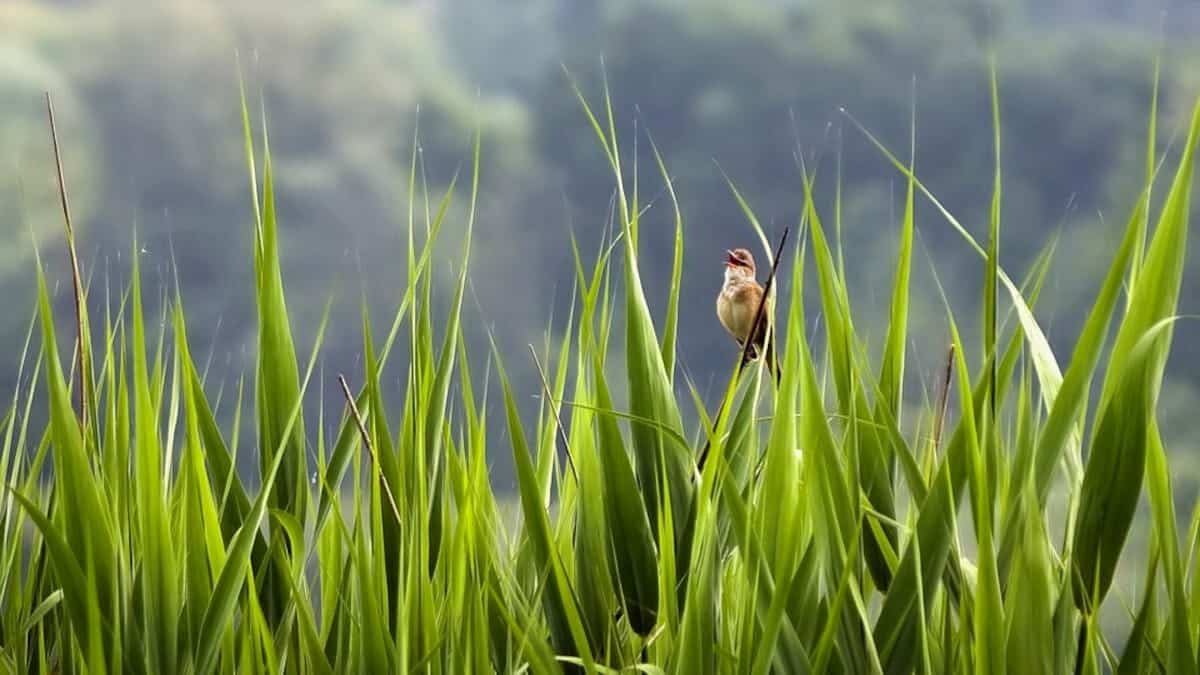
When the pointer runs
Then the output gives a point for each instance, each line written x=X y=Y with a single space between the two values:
x=147 y=98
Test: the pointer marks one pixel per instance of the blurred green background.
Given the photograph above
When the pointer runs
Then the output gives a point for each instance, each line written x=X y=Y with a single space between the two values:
x=147 y=99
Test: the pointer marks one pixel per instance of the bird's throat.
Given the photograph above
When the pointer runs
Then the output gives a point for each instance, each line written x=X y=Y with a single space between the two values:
x=733 y=276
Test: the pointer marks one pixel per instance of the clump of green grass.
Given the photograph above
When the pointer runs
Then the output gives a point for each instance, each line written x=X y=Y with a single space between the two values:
x=817 y=537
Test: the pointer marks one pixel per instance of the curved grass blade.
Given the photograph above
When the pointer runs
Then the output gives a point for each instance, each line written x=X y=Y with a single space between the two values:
x=562 y=611
x=1112 y=479
x=233 y=574
x=630 y=541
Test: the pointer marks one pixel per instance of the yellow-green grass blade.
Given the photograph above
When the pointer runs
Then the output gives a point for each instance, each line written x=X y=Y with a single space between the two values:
x=751 y=218
x=650 y=390
x=277 y=376
x=1112 y=479
x=1138 y=655
x=1062 y=428
x=77 y=591
x=789 y=649
x=439 y=396
x=780 y=504
x=1046 y=365
x=891 y=370
x=1156 y=294
x=160 y=595
x=696 y=653
x=1143 y=224
x=389 y=502
x=562 y=610
x=1031 y=591
x=1178 y=634
x=993 y=251
x=630 y=542
x=935 y=535
x=671 y=321
x=418 y=267
x=12 y=457
x=835 y=621
x=206 y=546
x=742 y=452
x=597 y=592
x=869 y=453
x=79 y=532
x=988 y=616
x=277 y=385
x=233 y=574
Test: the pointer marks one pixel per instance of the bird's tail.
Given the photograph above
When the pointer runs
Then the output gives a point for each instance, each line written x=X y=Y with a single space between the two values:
x=768 y=355
x=772 y=362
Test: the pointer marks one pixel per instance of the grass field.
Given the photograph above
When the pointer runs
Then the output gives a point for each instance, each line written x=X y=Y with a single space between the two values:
x=822 y=533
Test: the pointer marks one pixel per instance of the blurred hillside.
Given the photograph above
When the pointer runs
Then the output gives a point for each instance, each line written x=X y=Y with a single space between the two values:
x=147 y=98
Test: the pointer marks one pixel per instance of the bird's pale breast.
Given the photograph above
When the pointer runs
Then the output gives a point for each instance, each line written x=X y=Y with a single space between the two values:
x=736 y=307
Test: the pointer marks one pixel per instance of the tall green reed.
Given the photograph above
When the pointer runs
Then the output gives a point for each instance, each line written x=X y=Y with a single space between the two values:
x=820 y=535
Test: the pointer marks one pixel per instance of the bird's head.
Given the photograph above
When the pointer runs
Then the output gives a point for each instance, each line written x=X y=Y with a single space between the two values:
x=739 y=260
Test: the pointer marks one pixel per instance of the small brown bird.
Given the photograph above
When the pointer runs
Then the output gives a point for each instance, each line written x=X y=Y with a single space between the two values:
x=738 y=303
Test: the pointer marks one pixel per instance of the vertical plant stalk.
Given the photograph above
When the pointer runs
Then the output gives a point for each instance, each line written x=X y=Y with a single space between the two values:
x=939 y=421
x=562 y=432
x=744 y=359
x=366 y=439
x=76 y=278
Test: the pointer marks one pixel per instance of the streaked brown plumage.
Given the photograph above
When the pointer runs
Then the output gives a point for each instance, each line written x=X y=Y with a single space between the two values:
x=738 y=303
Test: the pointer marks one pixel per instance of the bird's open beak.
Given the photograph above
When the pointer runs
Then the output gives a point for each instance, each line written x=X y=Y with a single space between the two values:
x=730 y=261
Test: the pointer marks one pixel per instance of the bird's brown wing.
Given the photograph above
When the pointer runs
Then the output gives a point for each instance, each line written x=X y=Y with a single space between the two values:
x=749 y=296
x=760 y=337
x=768 y=354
